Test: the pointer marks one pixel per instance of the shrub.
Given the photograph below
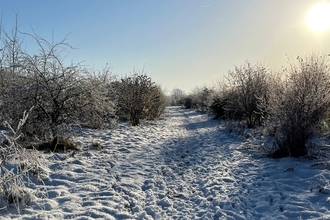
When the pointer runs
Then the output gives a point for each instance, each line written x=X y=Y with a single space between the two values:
x=200 y=99
x=157 y=104
x=247 y=84
x=297 y=105
x=61 y=95
x=139 y=98
x=17 y=165
x=187 y=102
x=96 y=106
x=218 y=106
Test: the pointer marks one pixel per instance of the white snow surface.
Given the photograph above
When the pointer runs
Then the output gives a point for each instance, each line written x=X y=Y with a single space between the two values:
x=183 y=166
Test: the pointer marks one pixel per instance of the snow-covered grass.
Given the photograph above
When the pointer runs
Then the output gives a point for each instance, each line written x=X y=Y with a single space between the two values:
x=183 y=166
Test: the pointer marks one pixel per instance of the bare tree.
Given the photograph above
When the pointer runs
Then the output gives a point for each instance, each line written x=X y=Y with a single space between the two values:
x=177 y=96
x=11 y=53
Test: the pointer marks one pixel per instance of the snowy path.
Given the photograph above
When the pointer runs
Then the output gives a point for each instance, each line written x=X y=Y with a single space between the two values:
x=182 y=167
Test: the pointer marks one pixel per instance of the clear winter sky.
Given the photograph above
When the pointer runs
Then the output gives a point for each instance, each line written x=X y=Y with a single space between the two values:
x=179 y=43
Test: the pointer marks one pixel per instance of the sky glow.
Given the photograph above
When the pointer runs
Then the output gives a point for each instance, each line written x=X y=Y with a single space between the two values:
x=180 y=44
x=318 y=18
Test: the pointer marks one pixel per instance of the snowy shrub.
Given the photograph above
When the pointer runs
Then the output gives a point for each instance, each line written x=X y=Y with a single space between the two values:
x=297 y=105
x=16 y=167
x=246 y=85
x=237 y=127
x=157 y=104
x=219 y=102
x=218 y=107
x=201 y=99
x=60 y=94
x=139 y=98
x=97 y=144
x=97 y=105
x=187 y=102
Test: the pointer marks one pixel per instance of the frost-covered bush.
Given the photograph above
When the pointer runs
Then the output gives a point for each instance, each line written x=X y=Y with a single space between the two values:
x=157 y=104
x=61 y=94
x=139 y=98
x=200 y=99
x=218 y=105
x=17 y=166
x=97 y=105
x=297 y=105
x=247 y=84
x=187 y=102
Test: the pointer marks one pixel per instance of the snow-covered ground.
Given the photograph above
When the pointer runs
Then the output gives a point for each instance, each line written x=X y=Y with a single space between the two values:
x=184 y=166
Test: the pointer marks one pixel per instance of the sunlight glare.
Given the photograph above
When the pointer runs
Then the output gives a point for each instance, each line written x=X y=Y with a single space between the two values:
x=318 y=18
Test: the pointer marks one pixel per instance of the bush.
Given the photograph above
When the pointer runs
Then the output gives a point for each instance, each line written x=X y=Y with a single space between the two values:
x=218 y=106
x=96 y=106
x=247 y=84
x=139 y=98
x=297 y=105
x=157 y=104
x=61 y=95
x=200 y=99
x=17 y=165
x=187 y=102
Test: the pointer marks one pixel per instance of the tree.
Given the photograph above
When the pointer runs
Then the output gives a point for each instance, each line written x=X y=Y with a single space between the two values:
x=177 y=96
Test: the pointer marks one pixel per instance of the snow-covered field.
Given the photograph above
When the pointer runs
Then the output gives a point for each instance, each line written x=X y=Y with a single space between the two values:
x=184 y=166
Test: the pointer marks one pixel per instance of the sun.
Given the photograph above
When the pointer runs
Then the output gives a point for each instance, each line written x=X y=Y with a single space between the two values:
x=318 y=18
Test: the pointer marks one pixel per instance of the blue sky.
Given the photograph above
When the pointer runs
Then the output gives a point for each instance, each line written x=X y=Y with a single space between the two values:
x=179 y=43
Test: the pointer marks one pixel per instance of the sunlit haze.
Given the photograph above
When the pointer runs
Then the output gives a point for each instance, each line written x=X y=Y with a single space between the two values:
x=318 y=17
x=180 y=44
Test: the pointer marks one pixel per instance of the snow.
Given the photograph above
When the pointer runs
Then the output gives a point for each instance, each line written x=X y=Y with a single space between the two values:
x=183 y=166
